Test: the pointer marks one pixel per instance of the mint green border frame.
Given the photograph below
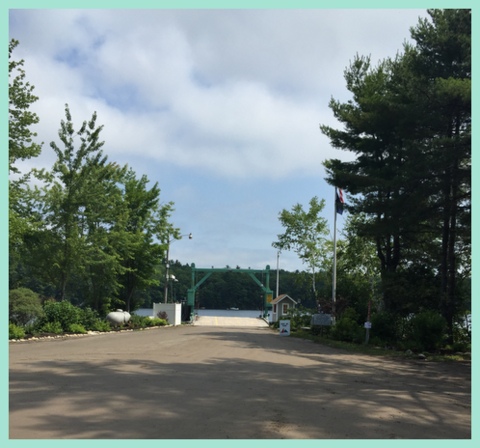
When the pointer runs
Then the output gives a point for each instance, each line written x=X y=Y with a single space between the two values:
x=6 y=5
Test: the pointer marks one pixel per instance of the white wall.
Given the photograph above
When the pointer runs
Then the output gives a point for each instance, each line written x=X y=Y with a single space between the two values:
x=173 y=310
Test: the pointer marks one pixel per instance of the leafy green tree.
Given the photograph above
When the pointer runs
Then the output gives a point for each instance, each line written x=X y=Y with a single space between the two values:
x=305 y=234
x=146 y=224
x=20 y=92
x=21 y=146
x=103 y=221
x=79 y=203
x=102 y=232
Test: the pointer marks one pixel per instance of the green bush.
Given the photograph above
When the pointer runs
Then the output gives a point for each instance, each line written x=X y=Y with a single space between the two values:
x=461 y=346
x=156 y=322
x=348 y=330
x=88 y=318
x=32 y=329
x=138 y=321
x=64 y=313
x=385 y=329
x=427 y=330
x=299 y=317
x=24 y=306
x=350 y=313
x=321 y=330
x=462 y=336
x=52 y=327
x=15 y=332
x=145 y=321
x=77 y=328
x=101 y=325
x=91 y=320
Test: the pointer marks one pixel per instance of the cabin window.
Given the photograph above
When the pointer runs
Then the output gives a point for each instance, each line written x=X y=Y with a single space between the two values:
x=275 y=308
x=285 y=308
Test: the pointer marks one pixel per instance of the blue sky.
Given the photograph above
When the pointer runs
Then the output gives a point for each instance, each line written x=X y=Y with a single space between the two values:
x=220 y=107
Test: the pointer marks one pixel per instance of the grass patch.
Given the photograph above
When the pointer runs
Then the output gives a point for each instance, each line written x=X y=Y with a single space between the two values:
x=365 y=349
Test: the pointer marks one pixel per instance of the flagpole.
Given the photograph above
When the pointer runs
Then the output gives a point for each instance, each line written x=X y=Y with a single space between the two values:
x=334 y=275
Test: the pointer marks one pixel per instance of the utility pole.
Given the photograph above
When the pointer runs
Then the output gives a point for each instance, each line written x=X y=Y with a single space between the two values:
x=277 y=288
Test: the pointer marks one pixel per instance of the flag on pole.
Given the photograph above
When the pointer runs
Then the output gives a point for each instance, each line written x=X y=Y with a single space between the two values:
x=339 y=201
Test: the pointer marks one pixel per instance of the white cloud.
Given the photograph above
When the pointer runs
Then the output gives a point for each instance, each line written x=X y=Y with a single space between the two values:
x=140 y=71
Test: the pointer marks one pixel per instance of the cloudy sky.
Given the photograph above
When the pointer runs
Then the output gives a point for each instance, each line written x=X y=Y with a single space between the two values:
x=220 y=107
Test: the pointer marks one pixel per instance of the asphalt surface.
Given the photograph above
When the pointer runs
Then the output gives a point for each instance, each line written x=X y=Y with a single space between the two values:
x=214 y=382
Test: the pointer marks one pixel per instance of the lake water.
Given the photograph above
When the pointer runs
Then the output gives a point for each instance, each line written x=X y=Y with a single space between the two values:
x=220 y=313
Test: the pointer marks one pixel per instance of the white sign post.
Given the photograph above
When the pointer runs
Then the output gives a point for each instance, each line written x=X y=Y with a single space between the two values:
x=367 y=326
x=284 y=328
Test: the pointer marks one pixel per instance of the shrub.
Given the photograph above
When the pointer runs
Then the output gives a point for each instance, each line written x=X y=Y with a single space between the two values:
x=15 y=332
x=427 y=330
x=32 y=329
x=299 y=317
x=347 y=327
x=138 y=321
x=321 y=330
x=156 y=322
x=101 y=325
x=350 y=313
x=52 y=327
x=461 y=346
x=385 y=329
x=462 y=336
x=64 y=313
x=88 y=318
x=24 y=306
x=348 y=330
x=145 y=321
x=77 y=328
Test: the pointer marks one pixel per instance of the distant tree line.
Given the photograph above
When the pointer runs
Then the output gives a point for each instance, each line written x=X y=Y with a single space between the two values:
x=229 y=289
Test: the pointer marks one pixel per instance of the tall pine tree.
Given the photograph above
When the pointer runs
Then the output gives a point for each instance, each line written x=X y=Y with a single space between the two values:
x=409 y=126
x=441 y=62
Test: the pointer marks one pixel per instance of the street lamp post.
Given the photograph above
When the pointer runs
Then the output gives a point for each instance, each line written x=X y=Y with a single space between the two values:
x=167 y=266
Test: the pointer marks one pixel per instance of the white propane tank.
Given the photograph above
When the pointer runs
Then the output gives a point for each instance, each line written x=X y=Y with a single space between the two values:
x=118 y=317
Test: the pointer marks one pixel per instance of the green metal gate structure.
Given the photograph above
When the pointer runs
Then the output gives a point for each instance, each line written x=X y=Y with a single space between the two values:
x=268 y=293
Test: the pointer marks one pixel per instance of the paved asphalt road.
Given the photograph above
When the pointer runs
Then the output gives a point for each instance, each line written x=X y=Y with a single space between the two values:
x=213 y=382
